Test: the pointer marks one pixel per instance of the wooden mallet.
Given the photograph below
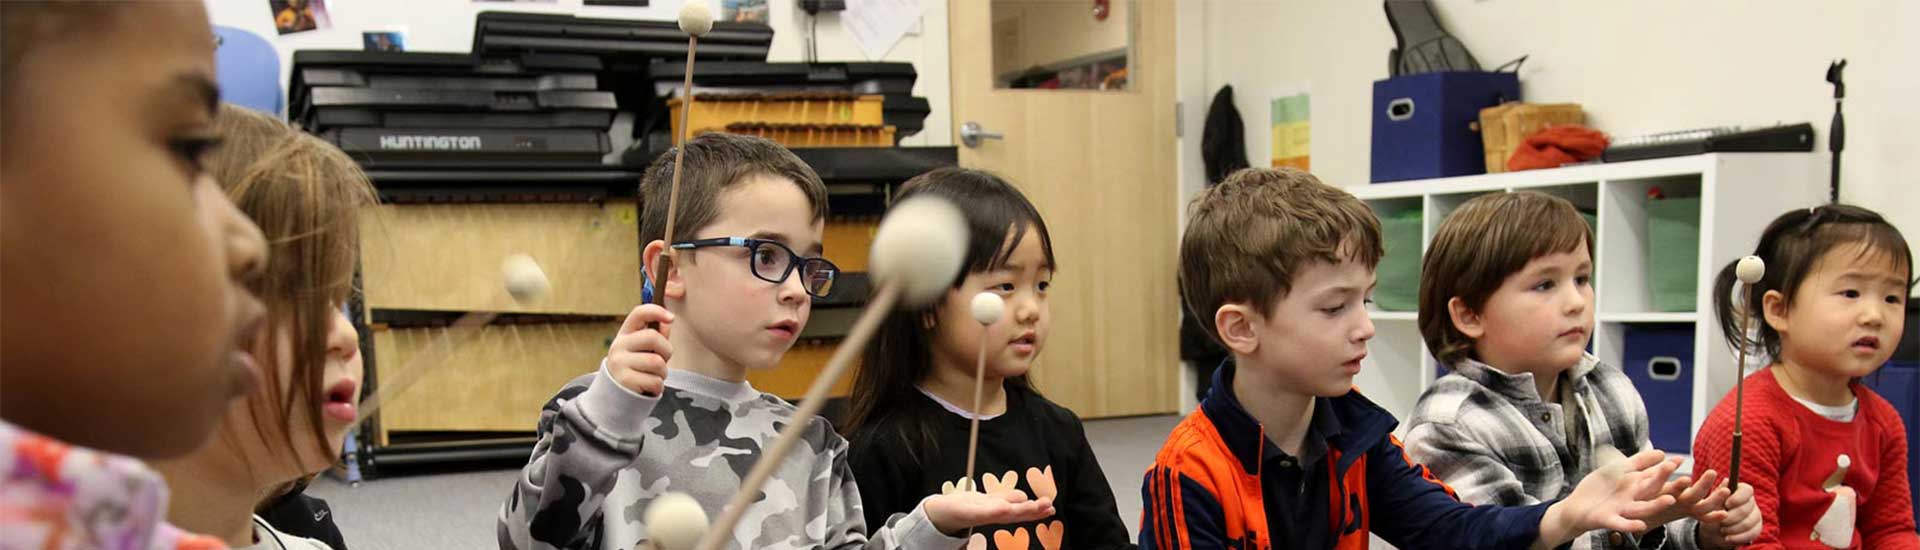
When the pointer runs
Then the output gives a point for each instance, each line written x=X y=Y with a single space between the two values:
x=1749 y=270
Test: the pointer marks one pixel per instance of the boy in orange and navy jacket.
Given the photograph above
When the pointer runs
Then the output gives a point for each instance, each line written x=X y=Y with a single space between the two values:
x=1282 y=447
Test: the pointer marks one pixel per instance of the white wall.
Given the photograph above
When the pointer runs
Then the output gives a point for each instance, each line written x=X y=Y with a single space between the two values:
x=447 y=26
x=1638 y=66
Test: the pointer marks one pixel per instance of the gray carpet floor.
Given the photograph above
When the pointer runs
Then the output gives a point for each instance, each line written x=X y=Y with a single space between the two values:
x=457 y=510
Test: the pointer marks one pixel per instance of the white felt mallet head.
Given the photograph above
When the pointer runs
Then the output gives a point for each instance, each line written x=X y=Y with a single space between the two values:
x=695 y=17
x=919 y=246
x=675 y=522
x=988 y=307
x=1750 y=269
x=525 y=281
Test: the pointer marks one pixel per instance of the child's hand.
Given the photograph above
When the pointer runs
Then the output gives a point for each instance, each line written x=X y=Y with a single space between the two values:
x=638 y=357
x=955 y=513
x=1618 y=497
x=1730 y=521
x=1691 y=498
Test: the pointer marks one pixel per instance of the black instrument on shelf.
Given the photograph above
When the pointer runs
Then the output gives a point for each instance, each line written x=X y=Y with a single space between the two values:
x=1729 y=139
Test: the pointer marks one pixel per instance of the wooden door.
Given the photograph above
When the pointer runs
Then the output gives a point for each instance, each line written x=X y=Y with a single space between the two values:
x=1100 y=166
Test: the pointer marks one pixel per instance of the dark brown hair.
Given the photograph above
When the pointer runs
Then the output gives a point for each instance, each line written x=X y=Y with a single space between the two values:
x=1247 y=236
x=1476 y=248
x=900 y=355
x=1792 y=247
x=716 y=162
x=306 y=196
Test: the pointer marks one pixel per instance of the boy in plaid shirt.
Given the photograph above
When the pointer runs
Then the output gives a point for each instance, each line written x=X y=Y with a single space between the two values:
x=1506 y=303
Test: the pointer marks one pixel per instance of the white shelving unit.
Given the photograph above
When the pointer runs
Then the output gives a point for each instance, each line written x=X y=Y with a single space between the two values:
x=1739 y=194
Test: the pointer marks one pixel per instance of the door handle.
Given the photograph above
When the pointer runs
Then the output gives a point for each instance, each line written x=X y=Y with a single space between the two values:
x=972 y=133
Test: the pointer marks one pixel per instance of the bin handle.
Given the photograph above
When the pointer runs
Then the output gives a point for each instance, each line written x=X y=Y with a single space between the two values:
x=1655 y=373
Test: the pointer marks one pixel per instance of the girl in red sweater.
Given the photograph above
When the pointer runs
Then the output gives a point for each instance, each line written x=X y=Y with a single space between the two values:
x=1826 y=456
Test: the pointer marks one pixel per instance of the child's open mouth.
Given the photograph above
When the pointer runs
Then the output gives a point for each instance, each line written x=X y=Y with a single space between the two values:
x=1867 y=344
x=339 y=401
x=785 y=330
x=1023 y=344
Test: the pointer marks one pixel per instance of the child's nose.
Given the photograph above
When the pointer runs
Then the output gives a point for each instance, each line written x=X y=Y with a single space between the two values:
x=246 y=247
x=342 y=340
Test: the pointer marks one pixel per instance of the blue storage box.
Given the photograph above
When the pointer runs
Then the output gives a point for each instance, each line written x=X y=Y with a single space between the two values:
x=1659 y=360
x=1422 y=124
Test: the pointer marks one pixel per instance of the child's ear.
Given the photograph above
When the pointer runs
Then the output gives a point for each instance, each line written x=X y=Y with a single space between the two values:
x=1773 y=305
x=1236 y=325
x=651 y=256
x=1465 y=320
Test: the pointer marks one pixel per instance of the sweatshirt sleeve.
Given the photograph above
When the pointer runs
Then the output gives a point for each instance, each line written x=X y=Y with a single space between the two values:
x=587 y=433
x=1888 y=522
x=846 y=519
x=1413 y=509
x=1086 y=504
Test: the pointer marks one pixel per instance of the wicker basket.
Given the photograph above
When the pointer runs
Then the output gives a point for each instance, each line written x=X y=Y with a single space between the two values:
x=1504 y=126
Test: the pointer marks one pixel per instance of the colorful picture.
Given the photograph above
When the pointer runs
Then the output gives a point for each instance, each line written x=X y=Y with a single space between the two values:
x=384 y=41
x=744 y=11
x=291 y=16
x=1293 y=131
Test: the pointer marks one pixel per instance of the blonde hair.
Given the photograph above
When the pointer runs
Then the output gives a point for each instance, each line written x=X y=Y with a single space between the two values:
x=1249 y=235
x=305 y=195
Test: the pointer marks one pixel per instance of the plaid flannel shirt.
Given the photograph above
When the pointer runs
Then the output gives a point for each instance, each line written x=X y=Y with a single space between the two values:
x=1490 y=436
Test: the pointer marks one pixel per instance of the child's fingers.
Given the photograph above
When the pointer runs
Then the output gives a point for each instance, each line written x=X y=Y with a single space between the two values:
x=1701 y=487
x=1716 y=502
x=1742 y=497
x=1716 y=517
x=1743 y=531
x=1645 y=459
x=644 y=314
x=1617 y=523
x=1011 y=496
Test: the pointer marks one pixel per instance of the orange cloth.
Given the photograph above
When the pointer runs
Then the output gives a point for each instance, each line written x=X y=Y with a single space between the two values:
x=1554 y=146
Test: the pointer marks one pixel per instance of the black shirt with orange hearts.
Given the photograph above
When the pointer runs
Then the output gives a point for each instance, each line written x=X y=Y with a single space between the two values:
x=1036 y=447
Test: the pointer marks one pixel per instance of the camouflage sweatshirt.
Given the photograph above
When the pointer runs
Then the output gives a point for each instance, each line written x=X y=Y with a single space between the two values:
x=604 y=453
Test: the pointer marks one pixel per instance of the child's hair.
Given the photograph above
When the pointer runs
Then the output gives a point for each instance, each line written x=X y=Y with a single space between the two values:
x=1792 y=247
x=1477 y=247
x=1247 y=236
x=900 y=356
x=306 y=196
x=715 y=162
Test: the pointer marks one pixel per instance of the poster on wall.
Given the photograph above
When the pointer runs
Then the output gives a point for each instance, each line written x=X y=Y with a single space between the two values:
x=292 y=16
x=744 y=11
x=383 y=41
x=1293 y=131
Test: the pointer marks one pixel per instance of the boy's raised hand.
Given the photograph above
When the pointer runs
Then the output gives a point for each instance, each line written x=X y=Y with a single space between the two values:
x=637 y=360
x=1692 y=498
x=955 y=512
x=1730 y=520
x=1617 y=497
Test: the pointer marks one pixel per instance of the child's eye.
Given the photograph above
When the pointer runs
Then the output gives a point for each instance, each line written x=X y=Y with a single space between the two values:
x=1044 y=285
x=1004 y=287
x=1334 y=310
x=1544 y=286
x=766 y=257
x=1850 y=293
x=1583 y=280
x=1895 y=299
x=193 y=150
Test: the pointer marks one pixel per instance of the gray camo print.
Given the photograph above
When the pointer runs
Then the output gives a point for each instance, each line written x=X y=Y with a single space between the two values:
x=593 y=472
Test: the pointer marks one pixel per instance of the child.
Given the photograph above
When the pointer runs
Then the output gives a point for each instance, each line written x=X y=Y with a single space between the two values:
x=1826 y=455
x=1506 y=303
x=912 y=404
x=306 y=195
x=670 y=410
x=1283 y=453
x=122 y=269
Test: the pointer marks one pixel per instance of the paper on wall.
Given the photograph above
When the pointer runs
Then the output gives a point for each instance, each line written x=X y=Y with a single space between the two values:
x=877 y=25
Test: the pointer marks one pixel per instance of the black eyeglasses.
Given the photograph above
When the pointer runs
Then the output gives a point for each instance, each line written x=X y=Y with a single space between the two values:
x=774 y=262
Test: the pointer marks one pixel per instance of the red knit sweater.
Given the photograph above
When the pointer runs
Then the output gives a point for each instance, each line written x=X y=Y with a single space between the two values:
x=1788 y=453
